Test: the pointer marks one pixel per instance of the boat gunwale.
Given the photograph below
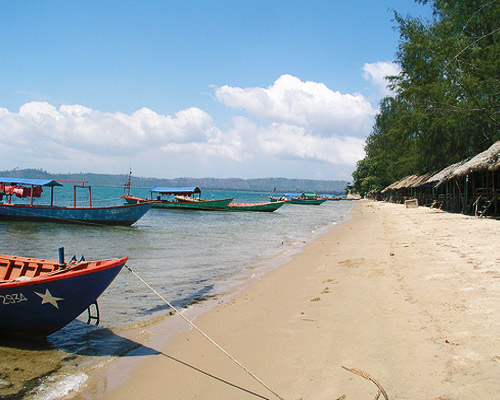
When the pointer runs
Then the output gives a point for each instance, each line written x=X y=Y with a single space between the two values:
x=70 y=270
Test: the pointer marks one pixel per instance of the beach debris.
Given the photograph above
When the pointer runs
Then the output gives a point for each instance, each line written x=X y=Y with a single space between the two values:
x=370 y=378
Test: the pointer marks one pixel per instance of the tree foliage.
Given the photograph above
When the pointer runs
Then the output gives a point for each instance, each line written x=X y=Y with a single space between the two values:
x=446 y=105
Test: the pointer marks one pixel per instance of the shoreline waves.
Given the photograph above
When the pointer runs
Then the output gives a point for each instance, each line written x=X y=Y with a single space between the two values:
x=411 y=296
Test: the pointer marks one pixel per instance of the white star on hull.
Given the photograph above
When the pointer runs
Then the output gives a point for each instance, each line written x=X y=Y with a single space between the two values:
x=48 y=298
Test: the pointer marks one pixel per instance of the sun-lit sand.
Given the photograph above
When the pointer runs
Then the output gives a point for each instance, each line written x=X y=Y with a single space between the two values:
x=410 y=296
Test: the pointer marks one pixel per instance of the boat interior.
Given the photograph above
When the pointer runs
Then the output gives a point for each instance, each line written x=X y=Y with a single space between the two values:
x=18 y=268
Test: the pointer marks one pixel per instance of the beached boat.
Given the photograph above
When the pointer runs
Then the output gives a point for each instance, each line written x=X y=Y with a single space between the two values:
x=32 y=188
x=185 y=198
x=39 y=297
x=261 y=207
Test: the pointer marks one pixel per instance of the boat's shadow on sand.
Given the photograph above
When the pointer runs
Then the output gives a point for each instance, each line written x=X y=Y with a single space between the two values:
x=83 y=340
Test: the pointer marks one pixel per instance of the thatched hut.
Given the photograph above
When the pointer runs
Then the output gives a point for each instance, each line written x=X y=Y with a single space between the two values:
x=478 y=182
x=442 y=193
x=398 y=191
x=470 y=186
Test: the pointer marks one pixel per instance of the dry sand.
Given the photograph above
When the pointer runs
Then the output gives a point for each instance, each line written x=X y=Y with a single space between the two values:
x=411 y=296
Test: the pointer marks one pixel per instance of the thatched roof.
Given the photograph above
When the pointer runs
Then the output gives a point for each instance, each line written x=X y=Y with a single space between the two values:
x=402 y=183
x=443 y=175
x=420 y=180
x=489 y=159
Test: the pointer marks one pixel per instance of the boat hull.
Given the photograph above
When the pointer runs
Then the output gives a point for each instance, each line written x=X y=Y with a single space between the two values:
x=42 y=305
x=314 y=202
x=259 y=207
x=116 y=215
x=297 y=200
x=205 y=205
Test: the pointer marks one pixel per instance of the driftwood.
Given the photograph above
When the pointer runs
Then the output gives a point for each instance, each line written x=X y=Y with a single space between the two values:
x=366 y=376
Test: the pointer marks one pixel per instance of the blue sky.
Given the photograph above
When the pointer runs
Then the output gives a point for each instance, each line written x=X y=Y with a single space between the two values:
x=194 y=88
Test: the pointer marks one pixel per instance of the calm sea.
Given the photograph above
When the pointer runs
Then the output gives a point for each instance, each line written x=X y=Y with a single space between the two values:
x=187 y=256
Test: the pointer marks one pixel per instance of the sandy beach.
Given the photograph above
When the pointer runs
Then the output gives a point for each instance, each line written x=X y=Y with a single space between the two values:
x=410 y=296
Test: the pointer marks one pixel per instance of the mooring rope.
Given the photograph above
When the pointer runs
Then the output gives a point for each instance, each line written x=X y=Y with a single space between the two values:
x=204 y=334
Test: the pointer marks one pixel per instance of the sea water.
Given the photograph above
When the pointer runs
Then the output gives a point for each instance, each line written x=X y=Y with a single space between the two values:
x=186 y=256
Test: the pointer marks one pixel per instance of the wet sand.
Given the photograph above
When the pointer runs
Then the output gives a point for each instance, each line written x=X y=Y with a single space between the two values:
x=410 y=296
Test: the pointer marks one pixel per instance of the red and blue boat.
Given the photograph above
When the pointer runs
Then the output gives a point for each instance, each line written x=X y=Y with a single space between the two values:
x=125 y=215
x=39 y=297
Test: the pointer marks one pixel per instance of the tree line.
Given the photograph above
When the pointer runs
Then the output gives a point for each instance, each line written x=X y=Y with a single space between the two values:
x=446 y=102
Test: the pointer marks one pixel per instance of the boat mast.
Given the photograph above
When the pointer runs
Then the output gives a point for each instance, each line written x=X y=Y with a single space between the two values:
x=126 y=186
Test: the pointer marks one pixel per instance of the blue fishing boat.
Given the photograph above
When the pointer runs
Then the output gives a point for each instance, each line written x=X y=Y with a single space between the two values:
x=39 y=297
x=32 y=188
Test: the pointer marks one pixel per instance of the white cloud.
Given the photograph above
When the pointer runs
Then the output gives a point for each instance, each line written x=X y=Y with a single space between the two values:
x=289 y=141
x=308 y=104
x=77 y=137
x=304 y=129
x=41 y=125
x=376 y=73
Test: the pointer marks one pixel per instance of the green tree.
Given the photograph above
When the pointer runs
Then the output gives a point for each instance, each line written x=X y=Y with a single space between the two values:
x=447 y=102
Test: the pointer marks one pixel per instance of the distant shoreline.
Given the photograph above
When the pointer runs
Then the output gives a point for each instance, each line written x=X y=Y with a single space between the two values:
x=279 y=185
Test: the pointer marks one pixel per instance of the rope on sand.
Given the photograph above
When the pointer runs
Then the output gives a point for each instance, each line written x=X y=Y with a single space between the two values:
x=204 y=334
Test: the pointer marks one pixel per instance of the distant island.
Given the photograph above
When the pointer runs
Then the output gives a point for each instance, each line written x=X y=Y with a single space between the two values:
x=279 y=185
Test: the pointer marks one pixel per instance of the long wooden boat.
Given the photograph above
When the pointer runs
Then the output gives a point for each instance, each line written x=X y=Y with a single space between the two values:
x=301 y=198
x=31 y=188
x=260 y=207
x=39 y=297
x=307 y=200
x=185 y=198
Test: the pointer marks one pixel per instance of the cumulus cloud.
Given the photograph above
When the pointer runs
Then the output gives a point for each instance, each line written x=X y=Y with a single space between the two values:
x=291 y=141
x=377 y=73
x=41 y=129
x=308 y=104
x=287 y=123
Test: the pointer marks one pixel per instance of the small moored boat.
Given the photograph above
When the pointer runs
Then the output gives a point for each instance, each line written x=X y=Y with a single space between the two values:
x=184 y=198
x=39 y=297
x=301 y=198
x=261 y=207
x=32 y=188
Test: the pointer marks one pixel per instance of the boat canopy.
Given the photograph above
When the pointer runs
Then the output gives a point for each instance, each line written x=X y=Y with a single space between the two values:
x=33 y=182
x=185 y=191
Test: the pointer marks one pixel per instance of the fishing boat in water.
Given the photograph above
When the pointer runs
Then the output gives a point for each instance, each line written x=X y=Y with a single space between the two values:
x=184 y=198
x=301 y=198
x=32 y=188
x=260 y=207
x=39 y=297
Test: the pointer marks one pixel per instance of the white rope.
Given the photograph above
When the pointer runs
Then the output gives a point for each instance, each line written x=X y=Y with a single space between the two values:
x=204 y=334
